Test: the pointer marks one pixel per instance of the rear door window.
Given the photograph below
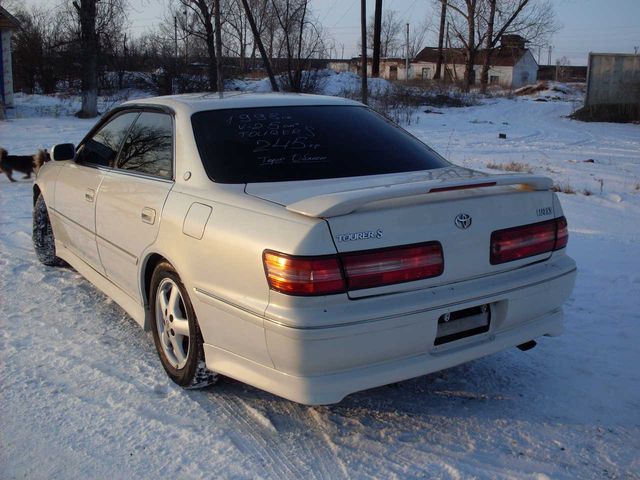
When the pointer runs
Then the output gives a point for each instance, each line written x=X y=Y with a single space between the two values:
x=102 y=148
x=148 y=147
x=274 y=144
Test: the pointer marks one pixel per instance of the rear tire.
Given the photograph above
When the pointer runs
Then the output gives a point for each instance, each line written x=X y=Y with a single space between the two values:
x=175 y=329
x=43 y=240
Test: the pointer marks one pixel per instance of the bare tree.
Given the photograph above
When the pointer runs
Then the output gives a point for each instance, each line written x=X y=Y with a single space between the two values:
x=216 y=15
x=532 y=19
x=417 y=37
x=98 y=21
x=478 y=22
x=34 y=47
x=238 y=28
x=464 y=24
x=443 y=18
x=484 y=78
x=391 y=28
x=301 y=39
x=258 y=40
x=87 y=13
x=204 y=29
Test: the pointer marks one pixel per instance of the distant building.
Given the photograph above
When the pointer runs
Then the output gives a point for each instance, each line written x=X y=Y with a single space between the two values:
x=8 y=24
x=391 y=68
x=563 y=73
x=512 y=65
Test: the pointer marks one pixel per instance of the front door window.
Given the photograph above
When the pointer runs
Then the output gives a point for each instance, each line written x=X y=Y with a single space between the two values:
x=102 y=148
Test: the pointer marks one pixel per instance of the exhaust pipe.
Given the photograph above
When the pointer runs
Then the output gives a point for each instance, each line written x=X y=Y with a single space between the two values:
x=527 y=345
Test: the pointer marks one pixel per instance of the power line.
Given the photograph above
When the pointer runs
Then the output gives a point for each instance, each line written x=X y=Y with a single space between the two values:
x=328 y=11
x=345 y=13
x=410 y=7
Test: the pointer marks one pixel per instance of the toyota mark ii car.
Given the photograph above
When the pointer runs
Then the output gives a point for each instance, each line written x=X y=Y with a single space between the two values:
x=301 y=244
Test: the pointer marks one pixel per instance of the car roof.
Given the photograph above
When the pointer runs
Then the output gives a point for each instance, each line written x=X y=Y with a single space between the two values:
x=196 y=102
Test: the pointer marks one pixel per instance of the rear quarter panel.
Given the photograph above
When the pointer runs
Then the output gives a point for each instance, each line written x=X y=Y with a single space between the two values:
x=223 y=271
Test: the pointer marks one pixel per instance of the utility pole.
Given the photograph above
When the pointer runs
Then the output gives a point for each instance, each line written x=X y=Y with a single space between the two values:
x=406 y=66
x=539 y=52
x=377 y=27
x=549 y=59
x=342 y=56
x=363 y=33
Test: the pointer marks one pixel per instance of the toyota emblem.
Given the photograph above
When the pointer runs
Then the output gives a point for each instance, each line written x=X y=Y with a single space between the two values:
x=463 y=221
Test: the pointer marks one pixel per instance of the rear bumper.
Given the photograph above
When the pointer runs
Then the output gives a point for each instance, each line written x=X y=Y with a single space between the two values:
x=394 y=338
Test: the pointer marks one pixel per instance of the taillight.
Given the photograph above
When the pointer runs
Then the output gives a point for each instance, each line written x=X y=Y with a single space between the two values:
x=528 y=240
x=394 y=265
x=562 y=236
x=303 y=275
x=330 y=274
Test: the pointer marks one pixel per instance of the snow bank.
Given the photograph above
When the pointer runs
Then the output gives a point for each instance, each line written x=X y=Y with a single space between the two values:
x=327 y=81
x=58 y=105
x=339 y=83
x=552 y=91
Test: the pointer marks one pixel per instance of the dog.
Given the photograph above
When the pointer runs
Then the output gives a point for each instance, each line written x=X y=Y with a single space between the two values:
x=26 y=164
x=39 y=159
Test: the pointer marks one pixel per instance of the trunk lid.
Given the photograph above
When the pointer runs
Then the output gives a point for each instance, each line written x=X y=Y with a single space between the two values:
x=366 y=213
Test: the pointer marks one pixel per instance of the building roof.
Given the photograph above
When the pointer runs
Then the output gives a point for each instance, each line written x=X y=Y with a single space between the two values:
x=8 y=21
x=500 y=57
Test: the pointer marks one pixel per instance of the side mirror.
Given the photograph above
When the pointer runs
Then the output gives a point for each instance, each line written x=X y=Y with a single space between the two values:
x=63 y=151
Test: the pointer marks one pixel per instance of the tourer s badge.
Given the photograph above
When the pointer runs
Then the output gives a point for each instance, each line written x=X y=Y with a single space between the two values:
x=350 y=237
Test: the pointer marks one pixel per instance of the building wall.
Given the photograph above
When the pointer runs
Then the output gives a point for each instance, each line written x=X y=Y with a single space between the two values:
x=525 y=71
x=339 y=65
x=457 y=71
x=7 y=73
x=426 y=71
x=613 y=79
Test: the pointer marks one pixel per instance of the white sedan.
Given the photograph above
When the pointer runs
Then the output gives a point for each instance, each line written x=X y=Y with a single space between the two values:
x=301 y=244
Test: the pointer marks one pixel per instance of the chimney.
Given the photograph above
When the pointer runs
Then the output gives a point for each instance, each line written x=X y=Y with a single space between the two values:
x=513 y=41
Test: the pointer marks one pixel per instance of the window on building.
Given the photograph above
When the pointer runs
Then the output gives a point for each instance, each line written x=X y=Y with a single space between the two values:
x=494 y=79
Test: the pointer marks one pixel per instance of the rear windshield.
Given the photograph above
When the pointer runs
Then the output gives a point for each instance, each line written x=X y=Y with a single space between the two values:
x=277 y=144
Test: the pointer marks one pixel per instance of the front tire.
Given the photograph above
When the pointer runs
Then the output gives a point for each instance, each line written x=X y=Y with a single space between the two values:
x=175 y=329
x=42 y=236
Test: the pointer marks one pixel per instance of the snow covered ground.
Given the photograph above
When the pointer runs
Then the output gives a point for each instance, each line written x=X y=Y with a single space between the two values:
x=83 y=394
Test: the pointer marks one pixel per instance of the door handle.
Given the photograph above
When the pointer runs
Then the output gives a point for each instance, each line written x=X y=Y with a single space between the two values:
x=90 y=194
x=148 y=215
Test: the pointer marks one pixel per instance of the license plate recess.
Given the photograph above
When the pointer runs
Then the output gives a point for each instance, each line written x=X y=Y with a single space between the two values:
x=463 y=323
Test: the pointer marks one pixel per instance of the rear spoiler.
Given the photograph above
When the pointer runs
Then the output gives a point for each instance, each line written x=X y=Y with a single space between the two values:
x=343 y=203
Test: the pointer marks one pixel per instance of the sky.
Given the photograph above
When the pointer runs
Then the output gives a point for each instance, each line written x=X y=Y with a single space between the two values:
x=585 y=25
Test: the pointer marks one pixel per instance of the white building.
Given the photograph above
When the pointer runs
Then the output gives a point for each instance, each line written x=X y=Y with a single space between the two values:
x=512 y=65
